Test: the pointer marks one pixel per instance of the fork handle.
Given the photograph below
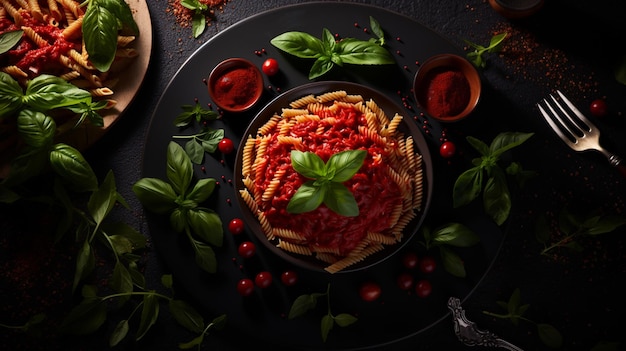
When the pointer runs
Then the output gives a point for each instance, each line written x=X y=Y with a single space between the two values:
x=616 y=162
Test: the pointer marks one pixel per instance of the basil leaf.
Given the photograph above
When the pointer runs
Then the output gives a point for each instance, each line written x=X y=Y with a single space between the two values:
x=455 y=234
x=206 y=226
x=479 y=145
x=179 y=168
x=85 y=318
x=299 y=44
x=467 y=187
x=198 y=24
x=506 y=141
x=308 y=164
x=100 y=28
x=377 y=30
x=452 y=263
x=359 y=52
x=119 y=333
x=320 y=67
x=36 y=129
x=307 y=198
x=194 y=151
x=156 y=195
x=186 y=315
x=102 y=200
x=328 y=42
x=339 y=199
x=496 y=198
x=205 y=257
x=345 y=164
x=10 y=95
x=9 y=39
x=149 y=314
x=124 y=14
x=70 y=164
x=212 y=139
x=202 y=190
x=47 y=92
x=178 y=220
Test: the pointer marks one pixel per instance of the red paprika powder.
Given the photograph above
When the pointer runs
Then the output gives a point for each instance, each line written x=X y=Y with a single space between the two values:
x=236 y=88
x=447 y=92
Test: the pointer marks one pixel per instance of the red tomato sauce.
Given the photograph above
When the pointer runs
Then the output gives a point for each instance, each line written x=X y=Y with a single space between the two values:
x=28 y=56
x=374 y=190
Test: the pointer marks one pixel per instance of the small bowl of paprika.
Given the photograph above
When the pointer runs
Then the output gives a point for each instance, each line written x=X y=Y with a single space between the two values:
x=235 y=85
x=447 y=87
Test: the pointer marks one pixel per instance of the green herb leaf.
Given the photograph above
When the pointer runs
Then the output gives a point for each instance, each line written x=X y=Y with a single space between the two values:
x=10 y=95
x=85 y=318
x=345 y=164
x=179 y=169
x=186 y=315
x=9 y=39
x=378 y=31
x=36 y=129
x=149 y=315
x=467 y=187
x=205 y=256
x=454 y=234
x=326 y=324
x=299 y=44
x=156 y=195
x=341 y=200
x=47 y=92
x=70 y=164
x=496 y=197
x=103 y=199
x=345 y=319
x=307 y=198
x=452 y=263
x=119 y=333
x=327 y=187
x=121 y=280
x=327 y=52
x=302 y=304
x=206 y=225
x=101 y=23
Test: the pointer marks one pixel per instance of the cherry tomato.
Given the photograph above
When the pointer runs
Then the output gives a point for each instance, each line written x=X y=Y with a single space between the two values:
x=410 y=260
x=369 y=291
x=447 y=149
x=246 y=249
x=427 y=264
x=263 y=279
x=245 y=287
x=289 y=278
x=270 y=67
x=236 y=226
x=598 y=107
x=226 y=146
x=405 y=281
x=423 y=288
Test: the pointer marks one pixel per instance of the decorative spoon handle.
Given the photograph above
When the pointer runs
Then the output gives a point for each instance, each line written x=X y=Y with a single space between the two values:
x=467 y=332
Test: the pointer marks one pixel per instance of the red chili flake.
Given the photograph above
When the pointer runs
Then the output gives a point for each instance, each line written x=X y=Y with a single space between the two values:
x=230 y=181
x=228 y=201
x=203 y=169
x=365 y=30
x=264 y=51
x=356 y=25
x=184 y=15
x=398 y=39
x=204 y=81
x=222 y=162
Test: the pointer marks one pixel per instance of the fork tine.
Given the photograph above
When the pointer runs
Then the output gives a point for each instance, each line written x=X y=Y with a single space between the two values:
x=576 y=111
x=553 y=124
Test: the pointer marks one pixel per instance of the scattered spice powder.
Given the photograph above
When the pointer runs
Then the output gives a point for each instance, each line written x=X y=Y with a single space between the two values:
x=526 y=56
x=184 y=15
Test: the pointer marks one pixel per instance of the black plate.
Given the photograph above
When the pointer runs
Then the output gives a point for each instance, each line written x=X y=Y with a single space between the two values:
x=397 y=315
x=408 y=127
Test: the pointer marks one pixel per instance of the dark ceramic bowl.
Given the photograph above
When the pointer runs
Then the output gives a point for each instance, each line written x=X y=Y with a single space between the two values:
x=447 y=87
x=235 y=85
x=407 y=126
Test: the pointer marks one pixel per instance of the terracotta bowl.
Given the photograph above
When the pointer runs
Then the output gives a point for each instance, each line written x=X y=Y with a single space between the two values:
x=447 y=87
x=235 y=85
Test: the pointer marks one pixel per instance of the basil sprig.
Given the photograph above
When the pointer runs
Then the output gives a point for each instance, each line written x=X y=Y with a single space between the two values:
x=101 y=24
x=181 y=200
x=329 y=52
x=9 y=39
x=326 y=186
x=496 y=195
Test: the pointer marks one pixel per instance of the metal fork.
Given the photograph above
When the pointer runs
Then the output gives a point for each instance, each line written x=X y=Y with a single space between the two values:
x=468 y=333
x=574 y=128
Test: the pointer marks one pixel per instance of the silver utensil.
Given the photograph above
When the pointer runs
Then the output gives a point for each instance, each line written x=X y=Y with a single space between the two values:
x=467 y=332
x=574 y=128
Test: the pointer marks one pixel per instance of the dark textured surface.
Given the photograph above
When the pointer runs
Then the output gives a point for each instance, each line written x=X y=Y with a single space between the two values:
x=569 y=45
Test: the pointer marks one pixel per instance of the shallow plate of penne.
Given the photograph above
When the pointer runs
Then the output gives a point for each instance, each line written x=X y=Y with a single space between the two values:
x=52 y=43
